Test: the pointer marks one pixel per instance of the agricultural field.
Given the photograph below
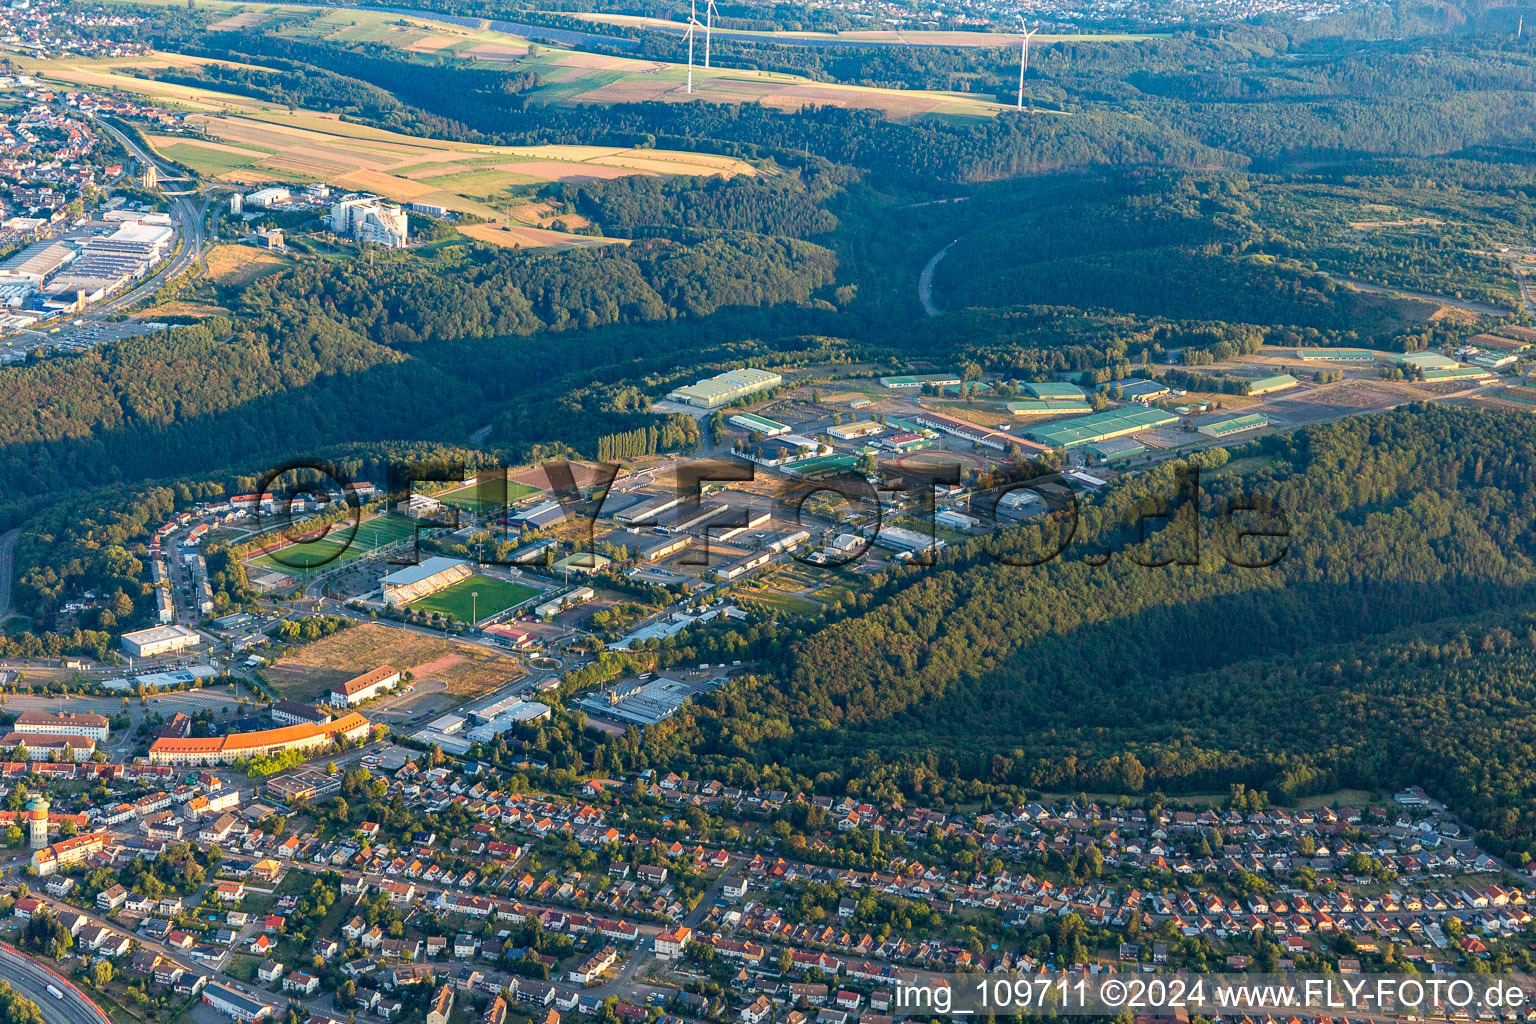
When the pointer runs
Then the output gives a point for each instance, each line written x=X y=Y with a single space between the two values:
x=339 y=544
x=249 y=142
x=876 y=36
x=437 y=664
x=573 y=77
x=459 y=602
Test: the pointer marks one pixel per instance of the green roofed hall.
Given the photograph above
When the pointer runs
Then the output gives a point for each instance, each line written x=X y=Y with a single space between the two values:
x=917 y=380
x=1054 y=389
x=1234 y=425
x=1100 y=427
x=1266 y=385
x=1115 y=450
x=1049 y=407
x=761 y=424
x=1427 y=360
x=1336 y=355
x=823 y=464
x=1456 y=373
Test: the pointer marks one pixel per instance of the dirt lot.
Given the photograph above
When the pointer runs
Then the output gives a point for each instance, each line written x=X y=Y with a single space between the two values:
x=465 y=670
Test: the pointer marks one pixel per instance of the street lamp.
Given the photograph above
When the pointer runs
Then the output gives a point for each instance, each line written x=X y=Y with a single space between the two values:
x=474 y=607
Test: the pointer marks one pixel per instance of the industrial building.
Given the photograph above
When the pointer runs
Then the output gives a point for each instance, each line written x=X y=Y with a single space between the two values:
x=269 y=197
x=1101 y=426
x=916 y=380
x=1426 y=361
x=371 y=219
x=897 y=538
x=1335 y=355
x=1053 y=390
x=646 y=703
x=414 y=582
x=37 y=263
x=655 y=548
x=556 y=605
x=971 y=432
x=1116 y=449
x=759 y=424
x=1137 y=389
x=725 y=388
x=1268 y=385
x=1050 y=407
x=824 y=465
x=850 y=431
x=157 y=640
x=1467 y=373
x=1234 y=425
x=645 y=510
x=539 y=517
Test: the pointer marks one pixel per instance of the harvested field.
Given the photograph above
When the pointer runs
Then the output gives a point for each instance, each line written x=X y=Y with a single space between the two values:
x=179 y=309
x=241 y=264
x=464 y=669
x=514 y=237
x=243 y=19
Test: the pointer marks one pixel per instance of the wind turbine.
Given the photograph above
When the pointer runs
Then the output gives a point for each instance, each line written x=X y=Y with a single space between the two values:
x=1024 y=35
x=709 y=23
x=693 y=26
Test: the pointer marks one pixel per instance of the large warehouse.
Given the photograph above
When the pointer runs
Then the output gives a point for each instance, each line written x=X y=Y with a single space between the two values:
x=1100 y=427
x=417 y=581
x=156 y=640
x=725 y=388
x=1269 y=385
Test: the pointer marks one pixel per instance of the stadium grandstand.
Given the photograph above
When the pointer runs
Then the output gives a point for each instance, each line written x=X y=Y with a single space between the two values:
x=415 y=582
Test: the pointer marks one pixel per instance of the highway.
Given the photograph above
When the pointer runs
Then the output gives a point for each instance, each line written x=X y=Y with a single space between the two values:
x=32 y=979
x=189 y=211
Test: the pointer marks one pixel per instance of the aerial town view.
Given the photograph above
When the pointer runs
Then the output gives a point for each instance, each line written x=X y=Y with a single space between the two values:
x=728 y=512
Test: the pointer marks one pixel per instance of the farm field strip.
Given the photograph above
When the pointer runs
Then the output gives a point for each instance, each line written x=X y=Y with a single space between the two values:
x=602 y=78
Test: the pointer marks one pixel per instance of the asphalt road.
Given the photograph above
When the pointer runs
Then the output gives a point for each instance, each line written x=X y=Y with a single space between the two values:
x=189 y=211
x=925 y=281
x=31 y=979
x=7 y=568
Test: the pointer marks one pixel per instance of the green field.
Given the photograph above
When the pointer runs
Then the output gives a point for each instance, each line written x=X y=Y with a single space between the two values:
x=370 y=534
x=495 y=596
x=483 y=498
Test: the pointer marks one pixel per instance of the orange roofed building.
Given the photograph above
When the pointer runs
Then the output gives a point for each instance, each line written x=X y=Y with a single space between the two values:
x=241 y=746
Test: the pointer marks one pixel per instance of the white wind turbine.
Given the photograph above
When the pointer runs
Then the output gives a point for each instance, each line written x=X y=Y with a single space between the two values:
x=1024 y=36
x=693 y=26
x=709 y=23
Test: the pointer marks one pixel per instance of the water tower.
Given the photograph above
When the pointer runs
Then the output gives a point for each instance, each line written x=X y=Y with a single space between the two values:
x=37 y=822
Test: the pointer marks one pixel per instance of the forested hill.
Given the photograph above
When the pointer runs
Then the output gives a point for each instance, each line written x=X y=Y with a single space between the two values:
x=978 y=677
x=323 y=354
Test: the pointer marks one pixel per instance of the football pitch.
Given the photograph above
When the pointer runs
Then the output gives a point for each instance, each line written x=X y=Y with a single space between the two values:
x=483 y=498
x=340 y=544
x=495 y=596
